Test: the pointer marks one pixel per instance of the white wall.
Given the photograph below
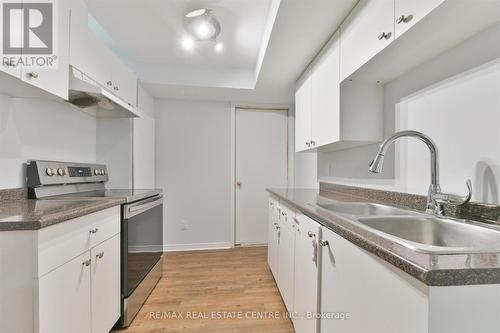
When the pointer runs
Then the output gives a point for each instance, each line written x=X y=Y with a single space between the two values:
x=193 y=160
x=41 y=129
x=455 y=98
x=114 y=148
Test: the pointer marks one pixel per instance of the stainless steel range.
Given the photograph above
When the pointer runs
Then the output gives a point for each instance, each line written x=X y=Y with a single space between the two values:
x=141 y=228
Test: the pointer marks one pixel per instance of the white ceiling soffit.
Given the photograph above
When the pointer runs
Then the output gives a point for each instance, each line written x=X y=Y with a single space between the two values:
x=267 y=44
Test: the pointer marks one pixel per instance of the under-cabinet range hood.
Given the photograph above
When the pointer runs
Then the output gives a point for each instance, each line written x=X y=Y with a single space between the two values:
x=89 y=96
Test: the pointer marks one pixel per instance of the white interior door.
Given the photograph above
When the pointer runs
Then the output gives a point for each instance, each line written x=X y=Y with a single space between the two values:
x=261 y=162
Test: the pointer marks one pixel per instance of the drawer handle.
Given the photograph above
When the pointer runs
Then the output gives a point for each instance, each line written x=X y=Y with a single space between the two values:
x=323 y=242
x=33 y=75
x=100 y=255
x=310 y=234
x=385 y=35
x=87 y=262
x=404 y=19
x=94 y=231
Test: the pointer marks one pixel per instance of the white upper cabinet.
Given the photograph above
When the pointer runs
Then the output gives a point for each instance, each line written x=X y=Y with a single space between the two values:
x=303 y=114
x=124 y=82
x=326 y=95
x=54 y=80
x=328 y=115
x=366 y=31
x=90 y=55
x=409 y=12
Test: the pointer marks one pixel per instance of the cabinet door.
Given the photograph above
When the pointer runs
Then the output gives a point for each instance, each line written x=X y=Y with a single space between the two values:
x=326 y=95
x=64 y=298
x=105 y=284
x=87 y=52
x=361 y=34
x=286 y=257
x=54 y=80
x=409 y=12
x=10 y=64
x=367 y=289
x=124 y=82
x=306 y=276
x=272 y=241
x=303 y=115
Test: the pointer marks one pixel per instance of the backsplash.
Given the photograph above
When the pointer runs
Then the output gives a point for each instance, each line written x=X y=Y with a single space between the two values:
x=473 y=210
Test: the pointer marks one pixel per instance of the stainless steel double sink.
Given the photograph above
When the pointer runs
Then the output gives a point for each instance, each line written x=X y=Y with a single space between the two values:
x=419 y=231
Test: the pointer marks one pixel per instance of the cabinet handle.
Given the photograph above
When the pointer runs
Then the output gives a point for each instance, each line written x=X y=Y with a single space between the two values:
x=313 y=143
x=385 y=35
x=404 y=19
x=323 y=242
x=308 y=144
x=93 y=231
x=310 y=234
x=87 y=262
x=109 y=83
x=116 y=88
x=33 y=75
x=100 y=255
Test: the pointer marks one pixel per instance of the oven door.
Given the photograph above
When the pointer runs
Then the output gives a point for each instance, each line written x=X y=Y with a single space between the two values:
x=142 y=240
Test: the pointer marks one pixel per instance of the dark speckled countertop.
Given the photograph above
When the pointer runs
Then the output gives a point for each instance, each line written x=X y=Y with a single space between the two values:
x=431 y=269
x=19 y=213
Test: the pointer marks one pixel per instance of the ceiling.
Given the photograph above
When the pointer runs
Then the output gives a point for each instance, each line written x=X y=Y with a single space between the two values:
x=267 y=45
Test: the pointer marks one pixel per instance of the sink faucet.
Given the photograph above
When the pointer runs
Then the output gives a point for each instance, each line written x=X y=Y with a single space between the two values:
x=435 y=198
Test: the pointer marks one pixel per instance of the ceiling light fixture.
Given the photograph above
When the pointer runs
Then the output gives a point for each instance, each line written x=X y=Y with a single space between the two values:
x=219 y=47
x=187 y=43
x=202 y=25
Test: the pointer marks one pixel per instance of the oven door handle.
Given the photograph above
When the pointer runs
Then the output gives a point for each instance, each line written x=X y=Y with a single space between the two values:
x=140 y=207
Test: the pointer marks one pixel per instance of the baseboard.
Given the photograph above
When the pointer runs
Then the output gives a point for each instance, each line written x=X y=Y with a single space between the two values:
x=145 y=248
x=196 y=246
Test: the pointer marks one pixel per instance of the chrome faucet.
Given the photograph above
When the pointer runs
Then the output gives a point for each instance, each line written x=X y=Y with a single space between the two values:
x=435 y=198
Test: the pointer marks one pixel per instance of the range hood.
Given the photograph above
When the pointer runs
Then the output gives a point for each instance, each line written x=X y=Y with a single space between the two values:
x=89 y=96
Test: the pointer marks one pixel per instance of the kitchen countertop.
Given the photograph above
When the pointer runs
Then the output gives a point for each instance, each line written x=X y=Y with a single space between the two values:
x=18 y=213
x=431 y=269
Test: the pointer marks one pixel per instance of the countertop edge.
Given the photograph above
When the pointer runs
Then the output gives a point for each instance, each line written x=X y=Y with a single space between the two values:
x=431 y=278
x=59 y=217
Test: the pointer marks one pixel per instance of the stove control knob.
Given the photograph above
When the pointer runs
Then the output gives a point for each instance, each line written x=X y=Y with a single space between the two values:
x=96 y=172
x=61 y=172
x=49 y=171
x=103 y=172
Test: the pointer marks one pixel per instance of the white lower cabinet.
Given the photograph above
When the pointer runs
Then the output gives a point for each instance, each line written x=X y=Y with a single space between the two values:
x=362 y=293
x=105 y=277
x=273 y=237
x=64 y=298
x=306 y=281
x=64 y=278
x=353 y=291
x=286 y=262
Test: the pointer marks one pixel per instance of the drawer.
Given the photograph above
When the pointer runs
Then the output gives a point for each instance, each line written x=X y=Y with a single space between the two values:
x=62 y=242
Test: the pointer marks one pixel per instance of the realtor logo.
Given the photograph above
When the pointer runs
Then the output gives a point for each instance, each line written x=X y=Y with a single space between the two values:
x=35 y=23
x=29 y=33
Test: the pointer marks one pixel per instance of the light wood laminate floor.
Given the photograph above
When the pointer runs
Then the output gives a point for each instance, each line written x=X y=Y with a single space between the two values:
x=200 y=287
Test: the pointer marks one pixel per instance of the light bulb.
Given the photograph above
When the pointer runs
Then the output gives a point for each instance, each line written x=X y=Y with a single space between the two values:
x=187 y=43
x=219 y=47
